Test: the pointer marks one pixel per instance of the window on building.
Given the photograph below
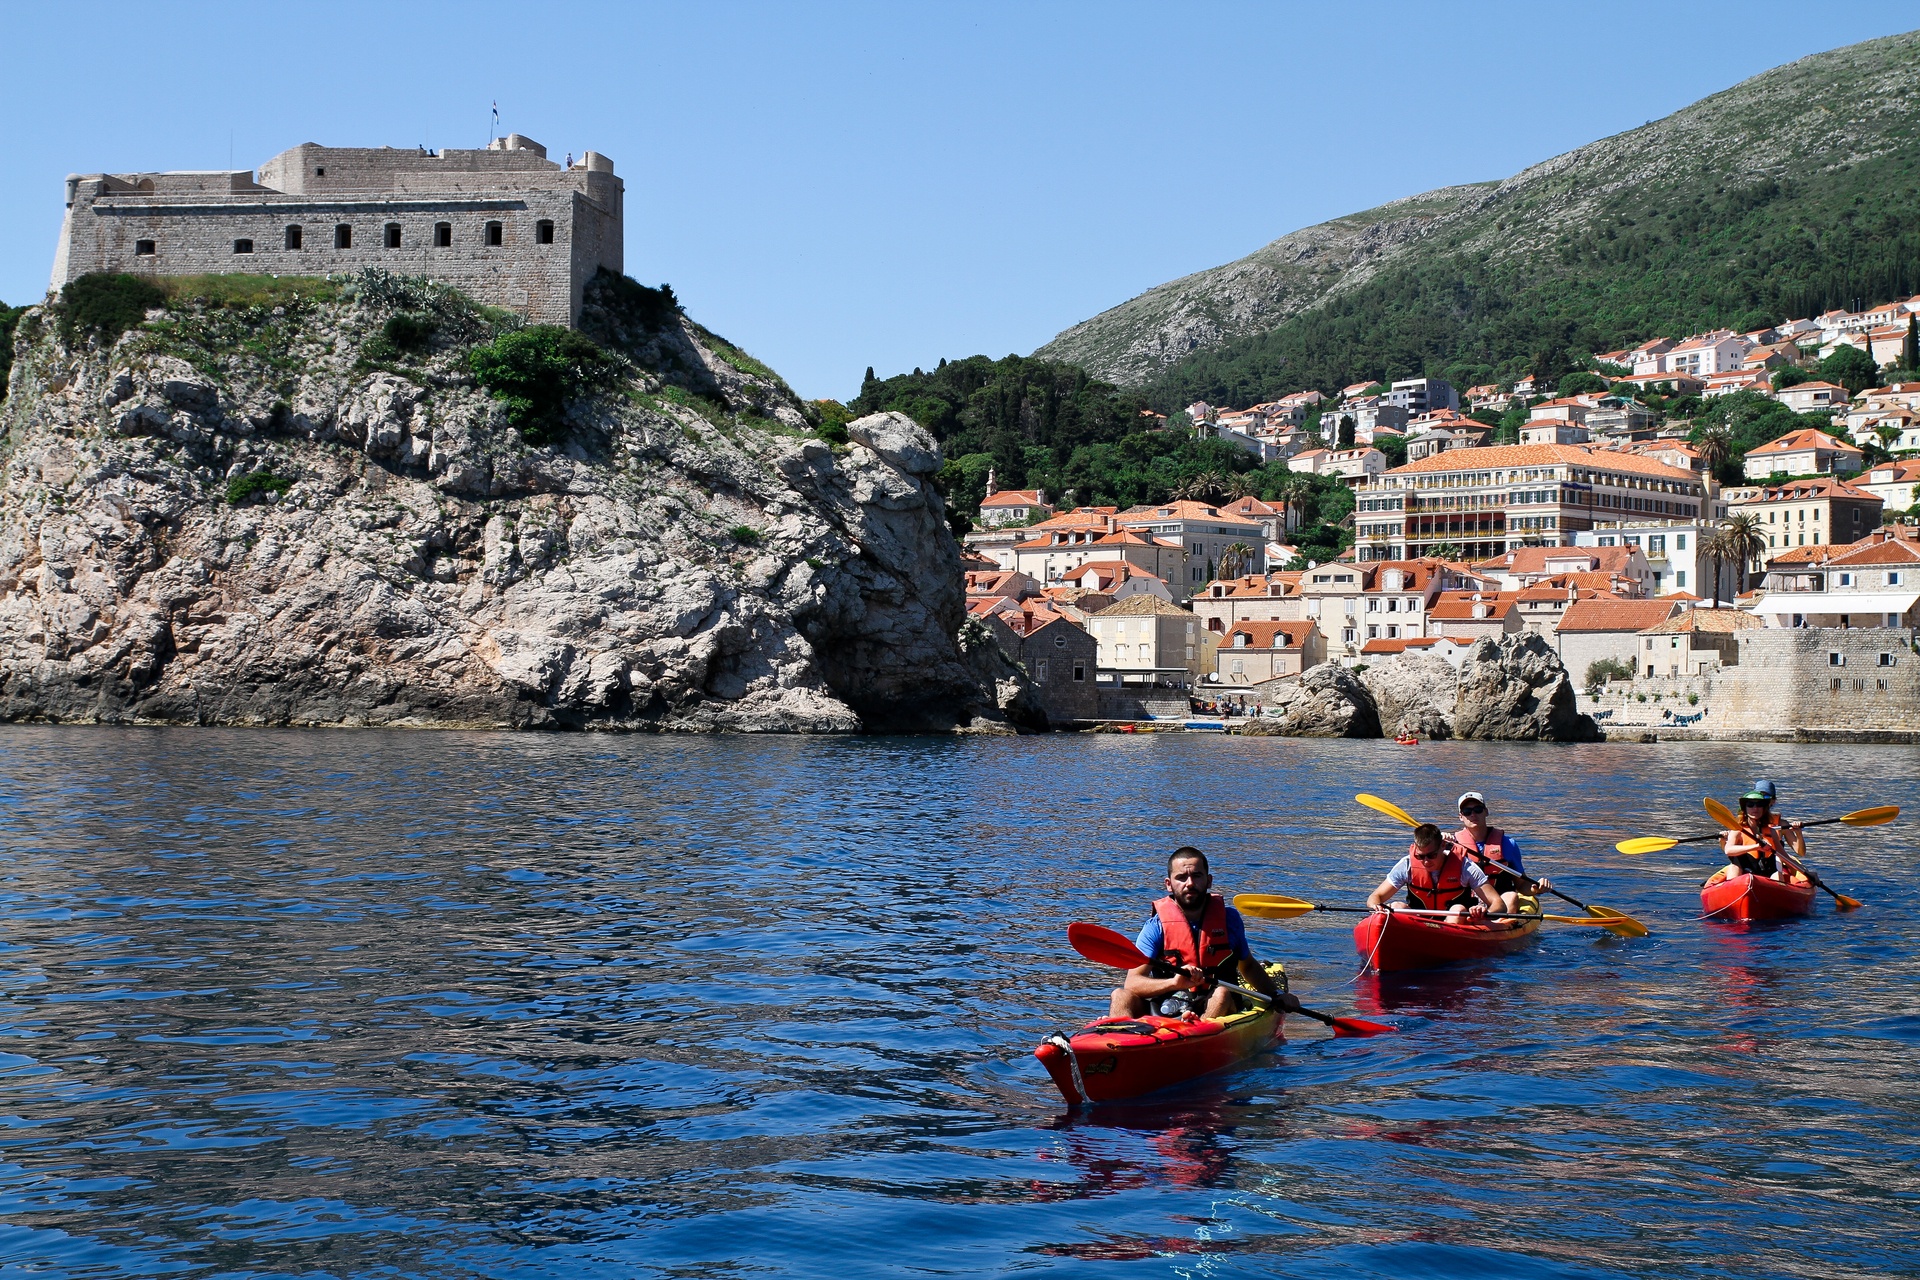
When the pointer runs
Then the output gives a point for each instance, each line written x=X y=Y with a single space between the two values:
x=1040 y=671
x=496 y=234
x=1886 y=659
x=393 y=235
x=1834 y=684
x=1893 y=578
x=1079 y=672
x=343 y=236
x=1836 y=659
x=293 y=237
x=443 y=235
x=321 y=172
x=543 y=231
x=143 y=248
x=243 y=246
x=1679 y=542
x=1680 y=579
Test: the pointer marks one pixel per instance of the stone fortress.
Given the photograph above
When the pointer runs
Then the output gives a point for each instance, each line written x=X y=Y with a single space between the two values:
x=505 y=225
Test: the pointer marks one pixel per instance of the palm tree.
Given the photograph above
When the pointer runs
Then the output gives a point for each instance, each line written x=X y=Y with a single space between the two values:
x=1715 y=447
x=1887 y=433
x=1740 y=542
x=1204 y=487
x=1239 y=485
x=1235 y=559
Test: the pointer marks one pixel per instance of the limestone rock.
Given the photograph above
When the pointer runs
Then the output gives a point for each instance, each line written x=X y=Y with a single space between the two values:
x=1329 y=701
x=672 y=562
x=1415 y=692
x=1516 y=687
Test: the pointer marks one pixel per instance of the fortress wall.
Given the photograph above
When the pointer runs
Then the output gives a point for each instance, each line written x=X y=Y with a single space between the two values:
x=1787 y=685
x=543 y=281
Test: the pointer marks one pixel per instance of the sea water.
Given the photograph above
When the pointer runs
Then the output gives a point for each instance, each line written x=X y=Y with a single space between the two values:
x=434 y=1004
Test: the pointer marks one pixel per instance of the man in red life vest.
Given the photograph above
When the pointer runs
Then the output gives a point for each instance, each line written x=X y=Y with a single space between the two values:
x=1435 y=876
x=1487 y=844
x=1760 y=844
x=1194 y=931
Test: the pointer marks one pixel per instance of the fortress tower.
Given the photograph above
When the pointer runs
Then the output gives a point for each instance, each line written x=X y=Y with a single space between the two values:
x=505 y=225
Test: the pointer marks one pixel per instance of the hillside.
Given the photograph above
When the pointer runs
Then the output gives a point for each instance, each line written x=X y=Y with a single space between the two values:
x=1790 y=192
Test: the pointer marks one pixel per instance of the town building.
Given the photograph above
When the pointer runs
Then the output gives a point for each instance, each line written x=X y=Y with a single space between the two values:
x=1206 y=536
x=1254 y=597
x=1276 y=519
x=1693 y=642
x=1476 y=615
x=1146 y=641
x=1896 y=484
x=504 y=224
x=1060 y=658
x=1360 y=419
x=1056 y=555
x=1812 y=397
x=1591 y=630
x=1808 y=451
x=1014 y=506
x=1251 y=652
x=1422 y=395
x=1804 y=513
x=1352 y=603
x=1874 y=582
x=1483 y=502
x=1666 y=555
x=1115 y=579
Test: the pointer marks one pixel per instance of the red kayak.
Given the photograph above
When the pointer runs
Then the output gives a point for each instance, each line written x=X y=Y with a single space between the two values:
x=1393 y=941
x=1746 y=897
x=1117 y=1058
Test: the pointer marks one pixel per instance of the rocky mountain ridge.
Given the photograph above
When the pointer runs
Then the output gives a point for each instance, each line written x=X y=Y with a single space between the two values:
x=1798 y=124
x=264 y=515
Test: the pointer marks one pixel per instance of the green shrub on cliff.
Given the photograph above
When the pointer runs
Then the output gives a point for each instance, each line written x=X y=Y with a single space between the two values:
x=9 y=321
x=535 y=371
x=103 y=306
x=241 y=488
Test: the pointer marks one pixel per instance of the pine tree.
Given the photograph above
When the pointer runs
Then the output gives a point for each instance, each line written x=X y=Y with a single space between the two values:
x=1910 y=349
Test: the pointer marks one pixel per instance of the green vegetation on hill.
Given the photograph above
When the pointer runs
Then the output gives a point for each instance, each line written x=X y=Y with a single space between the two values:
x=9 y=321
x=1040 y=424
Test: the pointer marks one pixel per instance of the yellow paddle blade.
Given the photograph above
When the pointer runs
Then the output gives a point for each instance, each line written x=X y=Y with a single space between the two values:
x=1721 y=814
x=1387 y=807
x=1267 y=906
x=1645 y=844
x=1592 y=920
x=1845 y=903
x=1618 y=922
x=1876 y=817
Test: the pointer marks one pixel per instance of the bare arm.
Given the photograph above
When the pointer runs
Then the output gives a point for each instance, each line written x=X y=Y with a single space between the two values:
x=1378 y=898
x=1141 y=982
x=1260 y=980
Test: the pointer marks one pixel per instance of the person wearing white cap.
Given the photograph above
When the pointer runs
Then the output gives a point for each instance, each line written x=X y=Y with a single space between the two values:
x=1487 y=845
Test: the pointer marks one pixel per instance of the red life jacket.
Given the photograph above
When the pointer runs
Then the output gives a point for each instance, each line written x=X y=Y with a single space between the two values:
x=1212 y=948
x=1437 y=890
x=1484 y=850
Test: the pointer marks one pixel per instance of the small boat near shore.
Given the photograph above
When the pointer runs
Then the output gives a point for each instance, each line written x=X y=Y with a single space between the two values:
x=1396 y=941
x=1749 y=897
x=1114 y=1058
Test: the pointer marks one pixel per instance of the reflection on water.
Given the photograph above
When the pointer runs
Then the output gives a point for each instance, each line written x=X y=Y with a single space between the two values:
x=469 y=1005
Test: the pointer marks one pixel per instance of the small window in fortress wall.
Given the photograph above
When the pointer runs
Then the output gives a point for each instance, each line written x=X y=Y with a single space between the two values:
x=143 y=248
x=443 y=235
x=495 y=236
x=293 y=237
x=343 y=236
x=243 y=246
x=393 y=235
x=543 y=231
x=321 y=172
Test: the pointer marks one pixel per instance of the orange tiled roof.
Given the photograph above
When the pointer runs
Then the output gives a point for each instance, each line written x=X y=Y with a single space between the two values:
x=1802 y=490
x=1803 y=439
x=1615 y=615
x=1705 y=620
x=1268 y=635
x=1500 y=456
x=1458 y=606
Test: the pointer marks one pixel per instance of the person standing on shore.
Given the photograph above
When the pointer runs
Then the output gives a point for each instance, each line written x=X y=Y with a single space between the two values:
x=1487 y=844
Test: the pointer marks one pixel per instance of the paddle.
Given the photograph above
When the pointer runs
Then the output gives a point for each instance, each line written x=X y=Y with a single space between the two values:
x=1621 y=923
x=1267 y=906
x=1724 y=816
x=1878 y=816
x=1104 y=946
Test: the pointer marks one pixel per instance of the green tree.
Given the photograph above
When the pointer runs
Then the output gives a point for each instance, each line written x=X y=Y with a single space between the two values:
x=535 y=372
x=1789 y=376
x=9 y=321
x=1851 y=367
x=1581 y=382
x=1910 y=346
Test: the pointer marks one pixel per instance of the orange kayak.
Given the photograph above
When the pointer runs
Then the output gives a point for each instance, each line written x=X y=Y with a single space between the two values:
x=1397 y=940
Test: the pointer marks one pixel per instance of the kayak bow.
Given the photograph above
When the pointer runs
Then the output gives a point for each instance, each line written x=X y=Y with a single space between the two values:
x=1747 y=897
x=1390 y=941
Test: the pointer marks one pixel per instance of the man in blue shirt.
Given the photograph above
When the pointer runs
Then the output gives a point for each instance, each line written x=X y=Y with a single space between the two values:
x=1486 y=844
x=1196 y=940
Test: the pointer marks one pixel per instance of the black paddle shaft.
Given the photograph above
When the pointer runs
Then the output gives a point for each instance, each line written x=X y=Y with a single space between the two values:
x=1498 y=865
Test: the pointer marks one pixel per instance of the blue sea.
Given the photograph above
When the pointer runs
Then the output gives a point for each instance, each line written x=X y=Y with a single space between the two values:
x=469 y=1005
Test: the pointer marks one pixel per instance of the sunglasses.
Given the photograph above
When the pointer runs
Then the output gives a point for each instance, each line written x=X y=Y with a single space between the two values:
x=1473 y=808
x=1428 y=853
x=1755 y=804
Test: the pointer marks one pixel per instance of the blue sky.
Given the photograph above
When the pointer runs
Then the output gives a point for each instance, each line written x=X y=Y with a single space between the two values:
x=833 y=186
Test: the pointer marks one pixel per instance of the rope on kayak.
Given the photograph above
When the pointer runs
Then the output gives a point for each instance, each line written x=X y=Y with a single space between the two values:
x=1731 y=905
x=1061 y=1043
x=1378 y=943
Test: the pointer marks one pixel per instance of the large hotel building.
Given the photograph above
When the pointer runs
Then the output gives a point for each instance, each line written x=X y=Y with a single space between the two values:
x=1485 y=502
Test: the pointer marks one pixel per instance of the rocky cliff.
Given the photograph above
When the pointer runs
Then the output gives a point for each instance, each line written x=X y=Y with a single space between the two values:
x=1511 y=688
x=274 y=514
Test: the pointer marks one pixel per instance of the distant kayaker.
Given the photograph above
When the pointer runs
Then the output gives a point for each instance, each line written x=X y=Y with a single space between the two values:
x=1436 y=876
x=1487 y=844
x=1193 y=929
x=1756 y=846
